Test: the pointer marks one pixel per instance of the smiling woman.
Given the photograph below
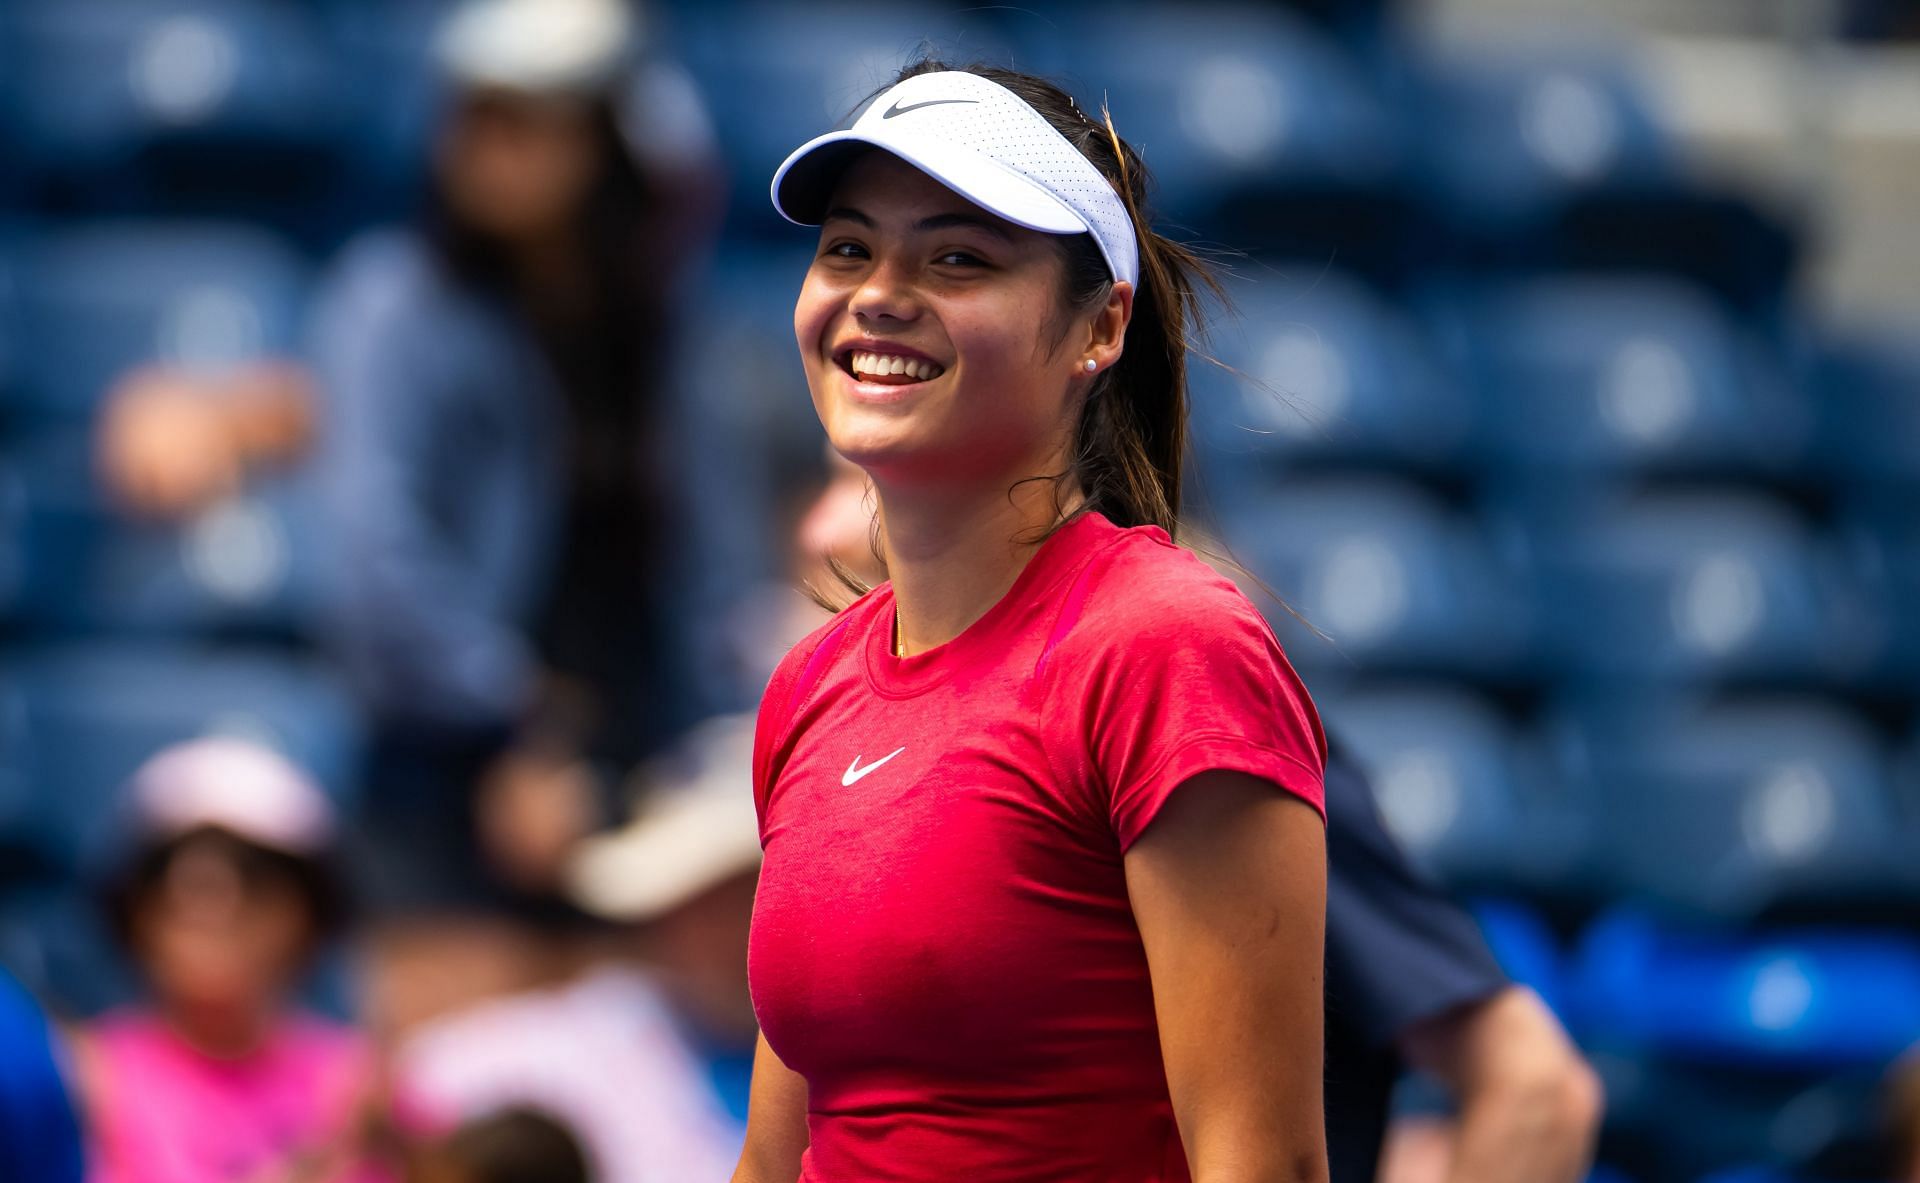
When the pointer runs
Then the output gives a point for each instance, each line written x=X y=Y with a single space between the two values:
x=1044 y=882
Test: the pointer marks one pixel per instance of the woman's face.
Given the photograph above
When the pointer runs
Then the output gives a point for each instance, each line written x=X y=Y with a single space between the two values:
x=912 y=277
x=517 y=169
x=217 y=942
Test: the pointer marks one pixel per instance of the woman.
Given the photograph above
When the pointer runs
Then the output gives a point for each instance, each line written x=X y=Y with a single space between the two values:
x=1044 y=874
x=496 y=454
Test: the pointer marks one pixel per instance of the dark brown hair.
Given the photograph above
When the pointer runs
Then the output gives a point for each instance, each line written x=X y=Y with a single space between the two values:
x=517 y=1145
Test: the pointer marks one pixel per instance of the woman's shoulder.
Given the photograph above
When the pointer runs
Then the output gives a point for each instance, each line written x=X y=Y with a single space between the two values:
x=820 y=646
x=1144 y=584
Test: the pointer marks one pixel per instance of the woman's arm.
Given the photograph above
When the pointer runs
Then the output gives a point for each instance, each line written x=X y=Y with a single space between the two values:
x=776 y=1122
x=1229 y=887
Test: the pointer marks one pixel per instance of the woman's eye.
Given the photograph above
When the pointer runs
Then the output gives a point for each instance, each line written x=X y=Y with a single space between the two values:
x=961 y=259
x=846 y=250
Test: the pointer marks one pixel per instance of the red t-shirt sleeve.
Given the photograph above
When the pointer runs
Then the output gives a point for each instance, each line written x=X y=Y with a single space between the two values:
x=1188 y=678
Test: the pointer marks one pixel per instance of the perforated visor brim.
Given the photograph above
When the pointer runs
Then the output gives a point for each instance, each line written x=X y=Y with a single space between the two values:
x=804 y=186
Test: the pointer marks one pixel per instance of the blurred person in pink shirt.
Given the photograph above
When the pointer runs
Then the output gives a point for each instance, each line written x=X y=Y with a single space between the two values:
x=222 y=899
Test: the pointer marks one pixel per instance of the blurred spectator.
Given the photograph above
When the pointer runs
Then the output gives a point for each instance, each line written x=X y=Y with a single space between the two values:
x=223 y=897
x=39 y=1139
x=497 y=454
x=649 y=1055
x=512 y=1146
x=1410 y=982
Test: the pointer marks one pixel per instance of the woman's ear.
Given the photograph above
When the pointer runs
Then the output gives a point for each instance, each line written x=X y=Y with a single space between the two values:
x=1107 y=331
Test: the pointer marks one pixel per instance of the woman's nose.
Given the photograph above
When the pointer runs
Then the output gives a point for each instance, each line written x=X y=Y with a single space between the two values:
x=885 y=293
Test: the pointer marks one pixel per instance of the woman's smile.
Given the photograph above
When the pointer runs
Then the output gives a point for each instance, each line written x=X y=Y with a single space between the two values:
x=884 y=372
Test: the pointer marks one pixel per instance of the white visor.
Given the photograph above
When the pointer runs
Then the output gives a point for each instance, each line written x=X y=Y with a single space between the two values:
x=985 y=143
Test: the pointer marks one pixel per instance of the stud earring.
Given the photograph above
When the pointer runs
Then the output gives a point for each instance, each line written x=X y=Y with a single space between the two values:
x=1092 y=365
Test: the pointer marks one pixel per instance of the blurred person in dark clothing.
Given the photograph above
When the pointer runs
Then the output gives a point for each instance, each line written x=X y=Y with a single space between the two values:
x=497 y=455
x=1409 y=979
x=1410 y=982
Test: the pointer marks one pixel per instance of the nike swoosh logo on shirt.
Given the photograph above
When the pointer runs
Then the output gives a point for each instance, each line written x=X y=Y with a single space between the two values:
x=897 y=109
x=855 y=772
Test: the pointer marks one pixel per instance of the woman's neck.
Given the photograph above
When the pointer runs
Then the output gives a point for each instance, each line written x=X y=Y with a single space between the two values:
x=951 y=557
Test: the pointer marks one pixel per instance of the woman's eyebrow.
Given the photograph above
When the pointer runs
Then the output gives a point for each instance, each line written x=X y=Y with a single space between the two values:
x=846 y=214
x=992 y=226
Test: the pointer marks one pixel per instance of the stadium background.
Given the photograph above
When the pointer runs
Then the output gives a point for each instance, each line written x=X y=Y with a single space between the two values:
x=1580 y=412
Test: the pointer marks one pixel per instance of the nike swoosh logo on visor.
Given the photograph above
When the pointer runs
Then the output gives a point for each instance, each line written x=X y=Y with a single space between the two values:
x=897 y=109
x=855 y=772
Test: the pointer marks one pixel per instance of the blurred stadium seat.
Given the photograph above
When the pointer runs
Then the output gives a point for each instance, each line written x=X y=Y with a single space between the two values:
x=1320 y=370
x=82 y=718
x=805 y=70
x=96 y=299
x=1446 y=771
x=1867 y=389
x=1707 y=585
x=1229 y=104
x=1781 y=808
x=246 y=566
x=1615 y=374
x=1791 y=998
x=1399 y=581
x=138 y=98
x=1529 y=129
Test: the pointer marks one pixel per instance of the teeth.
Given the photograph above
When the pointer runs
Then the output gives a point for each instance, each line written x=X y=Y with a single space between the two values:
x=886 y=364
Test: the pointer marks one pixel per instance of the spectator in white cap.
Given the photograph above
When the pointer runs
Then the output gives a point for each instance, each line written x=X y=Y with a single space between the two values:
x=646 y=1055
x=499 y=464
x=223 y=897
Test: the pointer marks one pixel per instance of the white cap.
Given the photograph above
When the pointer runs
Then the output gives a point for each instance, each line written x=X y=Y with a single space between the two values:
x=231 y=784
x=537 y=46
x=985 y=143
x=695 y=829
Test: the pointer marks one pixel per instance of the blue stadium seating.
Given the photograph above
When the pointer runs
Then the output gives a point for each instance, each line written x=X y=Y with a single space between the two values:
x=1318 y=369
x=804 y=70
x=1446 y=771
x=93 y=86
x=245 y=566
x=1882 y=542
x=1223 y=99
x=1867 y=389
x=1736 y=810
x=1615 y=374
x=97 y=299
x=1811 y=998
x=10 y=285
x=79 y=720
x=1397 y=580
x=1693 y=586
x=1528 y=128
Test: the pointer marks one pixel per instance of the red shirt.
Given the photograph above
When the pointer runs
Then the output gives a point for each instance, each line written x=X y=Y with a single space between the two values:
x=942 y=943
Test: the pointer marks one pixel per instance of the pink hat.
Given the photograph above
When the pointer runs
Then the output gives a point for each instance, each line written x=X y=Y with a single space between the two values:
x=234 y=785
